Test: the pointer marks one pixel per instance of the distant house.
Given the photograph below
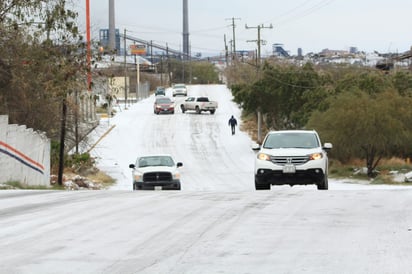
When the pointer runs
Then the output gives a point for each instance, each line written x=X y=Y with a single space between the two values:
x=333 y=53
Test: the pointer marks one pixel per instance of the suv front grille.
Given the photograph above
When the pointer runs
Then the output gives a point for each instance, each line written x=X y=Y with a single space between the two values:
x=157 y=176
x=283 y=160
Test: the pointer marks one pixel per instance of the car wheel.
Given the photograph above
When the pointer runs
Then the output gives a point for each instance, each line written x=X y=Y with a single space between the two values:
x=212 y=112
x=323 y=185
x=182 y=108
x=197 y=110
x=261 y=186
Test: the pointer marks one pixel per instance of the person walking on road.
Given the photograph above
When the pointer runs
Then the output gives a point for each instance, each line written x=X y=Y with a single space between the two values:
x=232 y=124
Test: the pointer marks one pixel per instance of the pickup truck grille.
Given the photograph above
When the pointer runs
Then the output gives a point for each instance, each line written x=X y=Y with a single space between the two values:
x=157 y=176
x=296 y=160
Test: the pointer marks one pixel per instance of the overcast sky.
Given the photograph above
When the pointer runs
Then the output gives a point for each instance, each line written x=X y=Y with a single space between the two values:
x=312 y=25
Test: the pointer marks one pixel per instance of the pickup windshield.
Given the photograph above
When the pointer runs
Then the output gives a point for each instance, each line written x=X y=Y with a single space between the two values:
x=203 y=99
x=155 y=161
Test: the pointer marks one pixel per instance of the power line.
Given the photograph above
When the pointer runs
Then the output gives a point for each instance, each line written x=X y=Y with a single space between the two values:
x=303 y=13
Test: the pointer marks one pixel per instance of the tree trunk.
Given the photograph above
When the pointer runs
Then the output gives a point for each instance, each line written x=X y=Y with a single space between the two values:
x=371 y=164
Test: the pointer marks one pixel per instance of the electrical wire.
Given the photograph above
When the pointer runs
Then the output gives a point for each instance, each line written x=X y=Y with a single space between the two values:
x=304 y=13
x=291 y=11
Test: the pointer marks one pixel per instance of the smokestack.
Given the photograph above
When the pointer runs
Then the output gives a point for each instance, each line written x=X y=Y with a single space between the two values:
x=112 y=27
x=185 y=29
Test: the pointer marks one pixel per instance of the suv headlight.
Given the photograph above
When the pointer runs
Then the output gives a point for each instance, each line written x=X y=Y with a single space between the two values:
x=263 y=157
x=316 y=156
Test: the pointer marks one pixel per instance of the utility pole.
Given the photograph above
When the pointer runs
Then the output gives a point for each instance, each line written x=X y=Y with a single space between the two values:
x=234 y=35
x=125 y=71
x=62 y=138
x=258 y=62
x=258 y=41
x=226 y=52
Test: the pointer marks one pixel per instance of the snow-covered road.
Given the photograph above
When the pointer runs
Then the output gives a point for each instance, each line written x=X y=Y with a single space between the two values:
x=213 y=159
x=217 y=223
x=286 y=231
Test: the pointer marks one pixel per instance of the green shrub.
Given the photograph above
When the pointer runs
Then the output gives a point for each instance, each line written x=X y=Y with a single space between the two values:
x=79 y=160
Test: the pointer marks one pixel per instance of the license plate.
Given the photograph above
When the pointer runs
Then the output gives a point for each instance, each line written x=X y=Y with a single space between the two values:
x=289 y=169
x=158 y=188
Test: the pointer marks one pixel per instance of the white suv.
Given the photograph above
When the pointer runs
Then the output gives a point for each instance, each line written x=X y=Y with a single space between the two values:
x=293 y=157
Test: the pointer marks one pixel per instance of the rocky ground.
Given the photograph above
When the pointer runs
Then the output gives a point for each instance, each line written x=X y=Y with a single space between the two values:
x=91 y=179
x=77 y=182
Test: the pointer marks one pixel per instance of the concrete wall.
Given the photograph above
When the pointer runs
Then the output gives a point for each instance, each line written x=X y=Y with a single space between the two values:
x=24 y=155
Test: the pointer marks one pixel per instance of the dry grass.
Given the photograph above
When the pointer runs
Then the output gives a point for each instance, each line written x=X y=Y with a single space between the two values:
x=96 y=177
x=395 y=162
x=249 y=125
x=102 y=178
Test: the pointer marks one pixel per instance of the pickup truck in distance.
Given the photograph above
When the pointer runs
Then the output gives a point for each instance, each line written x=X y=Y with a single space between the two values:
x=199 y=104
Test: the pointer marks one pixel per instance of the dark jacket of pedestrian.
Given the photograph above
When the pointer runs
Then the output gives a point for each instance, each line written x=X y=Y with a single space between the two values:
x=232 y=124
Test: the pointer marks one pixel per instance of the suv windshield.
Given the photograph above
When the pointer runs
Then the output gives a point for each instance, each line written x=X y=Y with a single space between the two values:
x=291 y=140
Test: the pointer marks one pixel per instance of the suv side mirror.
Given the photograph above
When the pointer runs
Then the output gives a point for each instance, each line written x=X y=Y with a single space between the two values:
x=255 y=147
x=327 y=146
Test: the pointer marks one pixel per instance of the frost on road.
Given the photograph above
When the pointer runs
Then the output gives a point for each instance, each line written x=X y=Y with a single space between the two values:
x=217 y=223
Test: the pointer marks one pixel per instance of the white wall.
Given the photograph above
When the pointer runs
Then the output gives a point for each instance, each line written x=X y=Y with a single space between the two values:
x=24 y=155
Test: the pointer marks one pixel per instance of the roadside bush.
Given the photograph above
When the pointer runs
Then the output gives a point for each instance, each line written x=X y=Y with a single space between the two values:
x=79 y=160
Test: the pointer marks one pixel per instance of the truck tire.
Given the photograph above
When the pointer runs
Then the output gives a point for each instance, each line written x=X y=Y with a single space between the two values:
x=212 y=111
x=197 y=110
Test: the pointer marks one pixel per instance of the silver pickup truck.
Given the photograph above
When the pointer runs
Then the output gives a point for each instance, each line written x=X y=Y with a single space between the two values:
x=199 y=104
